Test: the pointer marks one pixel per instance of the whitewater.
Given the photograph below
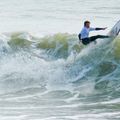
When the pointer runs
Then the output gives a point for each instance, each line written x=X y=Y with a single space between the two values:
x=45 y=74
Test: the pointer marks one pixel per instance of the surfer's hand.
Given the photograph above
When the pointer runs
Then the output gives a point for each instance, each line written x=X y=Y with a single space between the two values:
x=105 y=28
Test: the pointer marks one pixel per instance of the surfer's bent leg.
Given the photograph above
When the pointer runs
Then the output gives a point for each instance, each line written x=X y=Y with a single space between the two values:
x=93 y=38
x=86 y=41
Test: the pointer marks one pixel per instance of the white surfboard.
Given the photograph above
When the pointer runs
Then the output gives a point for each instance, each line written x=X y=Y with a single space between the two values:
x=115 y=30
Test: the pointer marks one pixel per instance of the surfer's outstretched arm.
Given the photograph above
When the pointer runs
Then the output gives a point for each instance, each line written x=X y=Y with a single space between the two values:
x=101 y=28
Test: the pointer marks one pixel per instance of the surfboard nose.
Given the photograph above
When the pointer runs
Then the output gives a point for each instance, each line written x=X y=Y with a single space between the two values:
x=115 y=30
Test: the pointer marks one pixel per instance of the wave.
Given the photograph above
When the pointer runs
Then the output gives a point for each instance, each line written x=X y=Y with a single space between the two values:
x=55 y=72
x=57 y=60
x=59 y=45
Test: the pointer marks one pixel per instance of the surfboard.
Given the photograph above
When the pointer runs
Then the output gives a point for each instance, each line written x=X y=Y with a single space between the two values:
x=114 y=32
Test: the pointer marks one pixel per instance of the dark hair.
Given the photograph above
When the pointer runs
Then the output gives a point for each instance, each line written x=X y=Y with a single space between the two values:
x=86 y=22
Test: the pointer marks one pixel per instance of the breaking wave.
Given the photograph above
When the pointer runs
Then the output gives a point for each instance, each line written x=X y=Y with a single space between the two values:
x=58 y=71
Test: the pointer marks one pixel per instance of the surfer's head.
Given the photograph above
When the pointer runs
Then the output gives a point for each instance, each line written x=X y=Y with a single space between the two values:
x=87 y=24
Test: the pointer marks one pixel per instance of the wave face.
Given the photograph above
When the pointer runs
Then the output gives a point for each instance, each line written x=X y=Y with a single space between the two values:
x=55 y=78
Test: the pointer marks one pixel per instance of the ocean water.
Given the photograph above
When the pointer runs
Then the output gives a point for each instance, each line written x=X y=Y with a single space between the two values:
x=45 y=74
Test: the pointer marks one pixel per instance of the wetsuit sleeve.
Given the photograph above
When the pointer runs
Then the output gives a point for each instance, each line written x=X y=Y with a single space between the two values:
x=98 y=28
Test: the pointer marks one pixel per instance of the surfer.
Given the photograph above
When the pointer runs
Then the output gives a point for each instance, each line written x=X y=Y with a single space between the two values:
x=84 y=34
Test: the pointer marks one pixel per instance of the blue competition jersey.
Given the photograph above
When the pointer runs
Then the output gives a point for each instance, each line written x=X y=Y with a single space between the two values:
x=85 y=32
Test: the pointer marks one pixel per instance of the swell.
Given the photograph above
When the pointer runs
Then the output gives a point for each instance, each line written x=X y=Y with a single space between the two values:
x=57 y=62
